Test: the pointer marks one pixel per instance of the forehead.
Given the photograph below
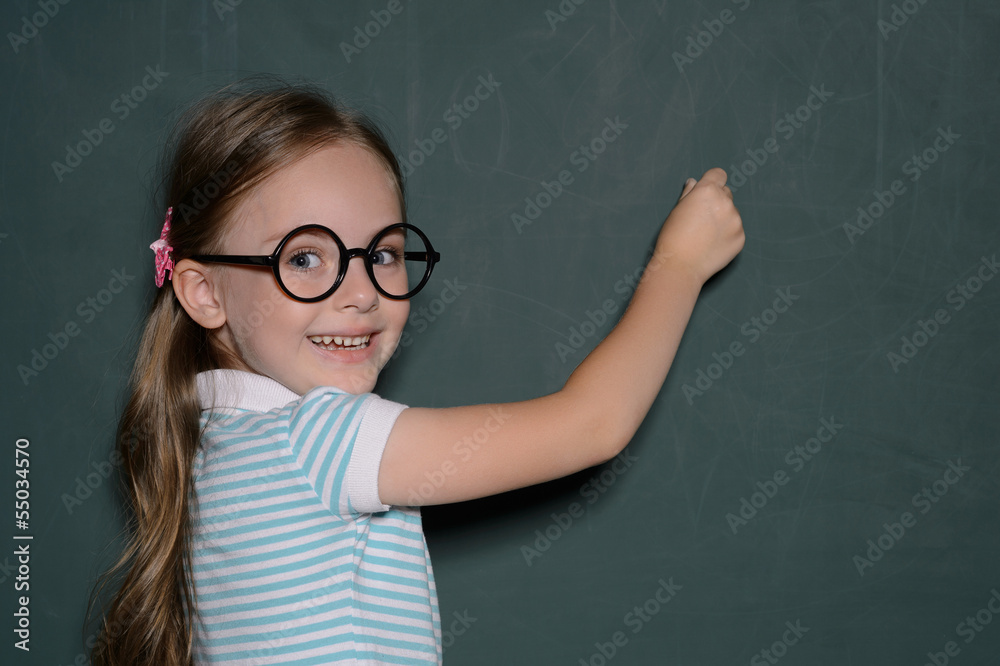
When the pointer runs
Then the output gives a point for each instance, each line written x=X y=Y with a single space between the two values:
x=342 y=186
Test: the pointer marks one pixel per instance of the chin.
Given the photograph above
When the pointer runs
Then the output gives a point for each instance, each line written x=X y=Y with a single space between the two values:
x=355 y=383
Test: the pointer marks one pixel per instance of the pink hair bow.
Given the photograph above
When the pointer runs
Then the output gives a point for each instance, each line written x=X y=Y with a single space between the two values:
x=164 y=262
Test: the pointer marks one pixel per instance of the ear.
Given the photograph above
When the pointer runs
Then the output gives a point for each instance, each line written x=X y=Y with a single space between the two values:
x=199 y=293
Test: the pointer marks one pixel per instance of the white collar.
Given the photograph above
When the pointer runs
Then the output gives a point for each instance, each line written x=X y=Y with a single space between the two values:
x=241 y=390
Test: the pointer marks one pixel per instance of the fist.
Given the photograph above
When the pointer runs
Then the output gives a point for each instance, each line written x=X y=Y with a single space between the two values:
x=704 y=230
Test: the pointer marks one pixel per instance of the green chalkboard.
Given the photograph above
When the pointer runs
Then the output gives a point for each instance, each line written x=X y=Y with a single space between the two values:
x=817 y=481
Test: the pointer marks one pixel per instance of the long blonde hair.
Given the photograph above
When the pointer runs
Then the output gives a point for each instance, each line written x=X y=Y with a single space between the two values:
x=224 y=146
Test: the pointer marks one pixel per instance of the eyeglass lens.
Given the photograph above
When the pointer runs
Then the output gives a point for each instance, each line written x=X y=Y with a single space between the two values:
x=310 y=262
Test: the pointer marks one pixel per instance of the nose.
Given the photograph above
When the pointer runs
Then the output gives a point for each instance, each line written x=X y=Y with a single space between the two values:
x=356 y=290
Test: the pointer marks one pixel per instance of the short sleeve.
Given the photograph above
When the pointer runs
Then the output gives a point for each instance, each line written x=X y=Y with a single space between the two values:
x=337 y=440
x=362 y=470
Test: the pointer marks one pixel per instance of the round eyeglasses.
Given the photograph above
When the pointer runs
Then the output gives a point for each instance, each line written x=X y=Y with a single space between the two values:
x=311 y=261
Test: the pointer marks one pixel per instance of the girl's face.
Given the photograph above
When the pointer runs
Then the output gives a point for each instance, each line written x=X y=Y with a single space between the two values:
x=342 y=187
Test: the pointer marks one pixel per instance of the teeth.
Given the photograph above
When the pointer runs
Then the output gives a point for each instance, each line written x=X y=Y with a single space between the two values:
x=356 y=342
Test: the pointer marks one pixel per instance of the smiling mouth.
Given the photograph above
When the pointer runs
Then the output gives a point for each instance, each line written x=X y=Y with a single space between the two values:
x=337 y=342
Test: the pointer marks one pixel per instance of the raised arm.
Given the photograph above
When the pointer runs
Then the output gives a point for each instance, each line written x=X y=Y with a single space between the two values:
x=437 y=456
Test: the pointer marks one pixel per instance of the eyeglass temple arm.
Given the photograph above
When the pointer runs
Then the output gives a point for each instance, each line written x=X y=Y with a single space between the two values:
x=426 y=256
x=234 y=259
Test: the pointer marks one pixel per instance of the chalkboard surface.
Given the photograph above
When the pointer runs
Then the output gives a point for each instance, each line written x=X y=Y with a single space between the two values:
x=817 y=481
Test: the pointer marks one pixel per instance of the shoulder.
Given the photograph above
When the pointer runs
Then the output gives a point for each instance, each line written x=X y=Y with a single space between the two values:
x=328 y=400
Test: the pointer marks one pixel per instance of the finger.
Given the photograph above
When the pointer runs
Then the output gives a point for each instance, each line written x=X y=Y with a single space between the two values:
x=688 y=186
x=716 y=176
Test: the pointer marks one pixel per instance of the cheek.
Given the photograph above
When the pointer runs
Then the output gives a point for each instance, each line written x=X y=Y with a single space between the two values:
x=400 y=315
x=256 y=310
x=396 y=315
x=268 y=334
x=406 y=310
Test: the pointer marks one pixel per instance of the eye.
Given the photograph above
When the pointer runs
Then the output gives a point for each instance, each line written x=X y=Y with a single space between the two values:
x=304 y=259
x=386 y=256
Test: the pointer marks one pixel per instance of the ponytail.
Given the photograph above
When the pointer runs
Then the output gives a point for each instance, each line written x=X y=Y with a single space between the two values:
x=157 y=439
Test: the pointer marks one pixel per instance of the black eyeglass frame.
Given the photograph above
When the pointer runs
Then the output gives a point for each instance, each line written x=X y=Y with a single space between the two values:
x=366 y=253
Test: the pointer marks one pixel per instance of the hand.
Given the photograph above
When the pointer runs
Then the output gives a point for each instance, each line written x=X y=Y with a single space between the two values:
x=704 y=230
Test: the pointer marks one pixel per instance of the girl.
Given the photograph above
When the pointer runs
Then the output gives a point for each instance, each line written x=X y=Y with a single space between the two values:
x=275 y=497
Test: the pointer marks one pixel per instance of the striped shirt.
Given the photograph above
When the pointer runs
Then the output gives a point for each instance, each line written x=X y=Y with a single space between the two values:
x=295 y=560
